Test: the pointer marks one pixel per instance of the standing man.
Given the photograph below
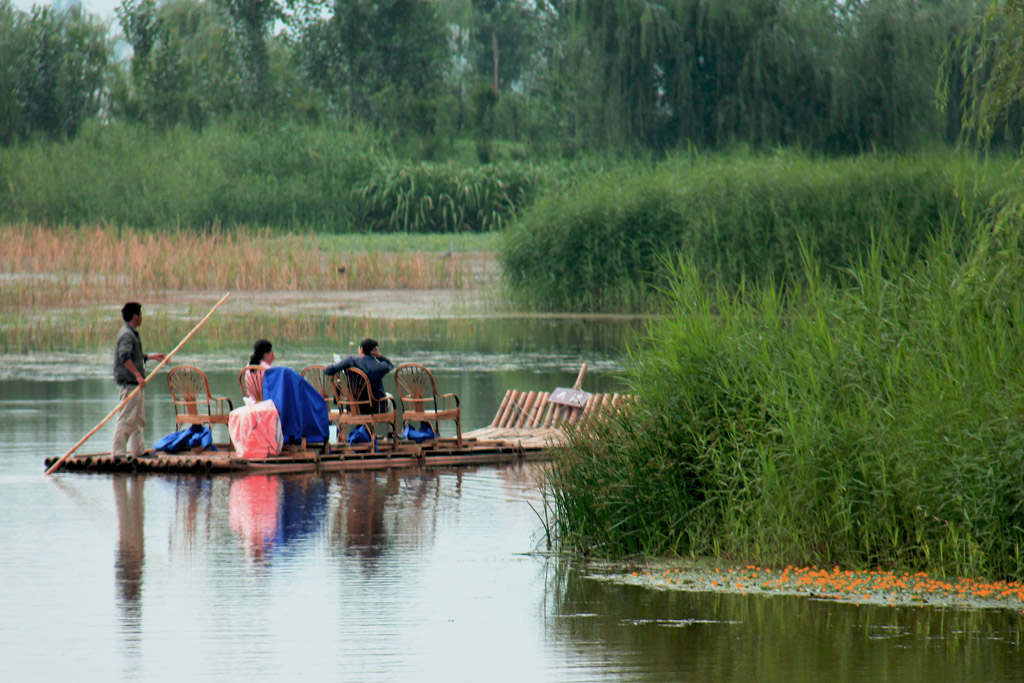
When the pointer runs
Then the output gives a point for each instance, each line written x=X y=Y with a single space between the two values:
x=371 y=362
x=129 y=369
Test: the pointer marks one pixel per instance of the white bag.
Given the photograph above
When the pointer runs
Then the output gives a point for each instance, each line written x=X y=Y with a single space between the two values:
x=256 y=430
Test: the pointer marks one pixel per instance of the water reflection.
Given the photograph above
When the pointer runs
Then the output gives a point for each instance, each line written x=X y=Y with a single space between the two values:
x=729 y=637
x=128 y=561
x=303 y=508
x=193 y=506
x=398 y=575
x=359 y=520
x=252 y=513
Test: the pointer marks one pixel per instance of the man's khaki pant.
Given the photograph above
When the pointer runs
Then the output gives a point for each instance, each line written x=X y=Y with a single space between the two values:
x=131 y=423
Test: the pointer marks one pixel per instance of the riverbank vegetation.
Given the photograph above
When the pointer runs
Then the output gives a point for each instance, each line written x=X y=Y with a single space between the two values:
x=601 y=245
x=324 y=178
x=876 y=424
x=46 y=268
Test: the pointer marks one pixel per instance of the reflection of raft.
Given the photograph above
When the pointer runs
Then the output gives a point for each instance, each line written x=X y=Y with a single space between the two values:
x=525 y=426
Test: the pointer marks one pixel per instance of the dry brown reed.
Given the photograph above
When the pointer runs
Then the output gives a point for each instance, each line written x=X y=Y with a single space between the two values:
x=44 y=267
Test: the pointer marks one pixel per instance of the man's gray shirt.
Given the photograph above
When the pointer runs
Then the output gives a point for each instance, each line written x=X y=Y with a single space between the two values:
x=128 y=346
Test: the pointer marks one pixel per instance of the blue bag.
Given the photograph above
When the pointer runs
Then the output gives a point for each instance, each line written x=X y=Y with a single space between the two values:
x=196 y=436
x=174 y=442
x=201 y=437
x=358 y=435
x=422 y=434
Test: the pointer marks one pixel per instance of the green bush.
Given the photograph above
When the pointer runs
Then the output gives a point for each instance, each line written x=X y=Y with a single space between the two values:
x=325 y=177
x=872 y=425
x=601 y=244
x=226 y=175
x=431 y=197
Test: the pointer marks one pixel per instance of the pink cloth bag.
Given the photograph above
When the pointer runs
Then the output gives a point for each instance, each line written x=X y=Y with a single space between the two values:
x=256 y=430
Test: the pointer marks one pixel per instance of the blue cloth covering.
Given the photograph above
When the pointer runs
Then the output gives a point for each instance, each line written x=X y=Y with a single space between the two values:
x=302 y=409
x=196 y=436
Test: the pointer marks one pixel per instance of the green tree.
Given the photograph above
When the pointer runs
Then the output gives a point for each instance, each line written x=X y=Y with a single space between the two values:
x=986 y=68
x=837 y=75
x=503 y=40
x=158 y=84
x=376 y=59
x=184 y=66
x=252 y=21
x=11 y=45
x=59 y=71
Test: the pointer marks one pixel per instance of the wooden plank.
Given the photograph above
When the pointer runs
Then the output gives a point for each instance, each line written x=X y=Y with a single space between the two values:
x=549 y=415
x=501 y=408
x=509 y=409
x=527 y=404
x=537 y=414
x=515 y=416
x=580 y=412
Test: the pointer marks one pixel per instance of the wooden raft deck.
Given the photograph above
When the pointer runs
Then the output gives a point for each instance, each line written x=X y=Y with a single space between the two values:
x=524 y=427
x=531 y=419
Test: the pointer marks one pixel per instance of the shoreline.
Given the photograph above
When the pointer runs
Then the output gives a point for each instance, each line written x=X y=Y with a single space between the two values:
x=859 y=587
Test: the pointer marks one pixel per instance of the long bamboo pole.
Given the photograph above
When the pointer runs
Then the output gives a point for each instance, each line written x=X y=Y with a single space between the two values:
x=113 y=412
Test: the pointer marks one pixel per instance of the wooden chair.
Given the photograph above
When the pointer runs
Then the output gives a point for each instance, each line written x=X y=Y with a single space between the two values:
x=256 y=382
x=193 y=403
x=314 y=374
x=358 y=406
x=421 y=402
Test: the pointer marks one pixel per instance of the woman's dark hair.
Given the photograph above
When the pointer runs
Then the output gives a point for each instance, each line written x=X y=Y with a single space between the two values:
x=259 y=349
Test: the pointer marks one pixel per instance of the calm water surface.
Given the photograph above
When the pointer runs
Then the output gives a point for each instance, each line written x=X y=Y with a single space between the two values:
x=409 y=575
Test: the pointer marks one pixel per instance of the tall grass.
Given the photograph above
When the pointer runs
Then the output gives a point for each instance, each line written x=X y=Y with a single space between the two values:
x=329 y=178
x=426 y=197
x=226 y=175
x=599 y=245
x=67 y=267
x=873 y=425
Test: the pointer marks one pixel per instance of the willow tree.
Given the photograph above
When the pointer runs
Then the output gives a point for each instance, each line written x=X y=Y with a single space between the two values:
x=891 y=57
x=987 y=62
x=840 y=75
x=252 y=21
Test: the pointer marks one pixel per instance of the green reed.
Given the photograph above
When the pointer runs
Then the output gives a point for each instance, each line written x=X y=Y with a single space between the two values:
x=599 y=244
x=226 y=175
x=327 y=178
x=431 y=197
x=877 y=424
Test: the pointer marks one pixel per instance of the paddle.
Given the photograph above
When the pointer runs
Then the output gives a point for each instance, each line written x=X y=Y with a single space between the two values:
x=129 y=396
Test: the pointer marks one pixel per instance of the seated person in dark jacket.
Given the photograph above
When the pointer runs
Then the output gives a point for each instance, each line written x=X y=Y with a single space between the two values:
x=371 y=362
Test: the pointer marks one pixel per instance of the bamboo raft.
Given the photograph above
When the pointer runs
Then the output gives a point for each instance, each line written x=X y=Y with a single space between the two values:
x=525 y=426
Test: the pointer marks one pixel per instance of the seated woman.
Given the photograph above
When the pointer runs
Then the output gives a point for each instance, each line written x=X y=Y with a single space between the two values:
x=262 y=355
